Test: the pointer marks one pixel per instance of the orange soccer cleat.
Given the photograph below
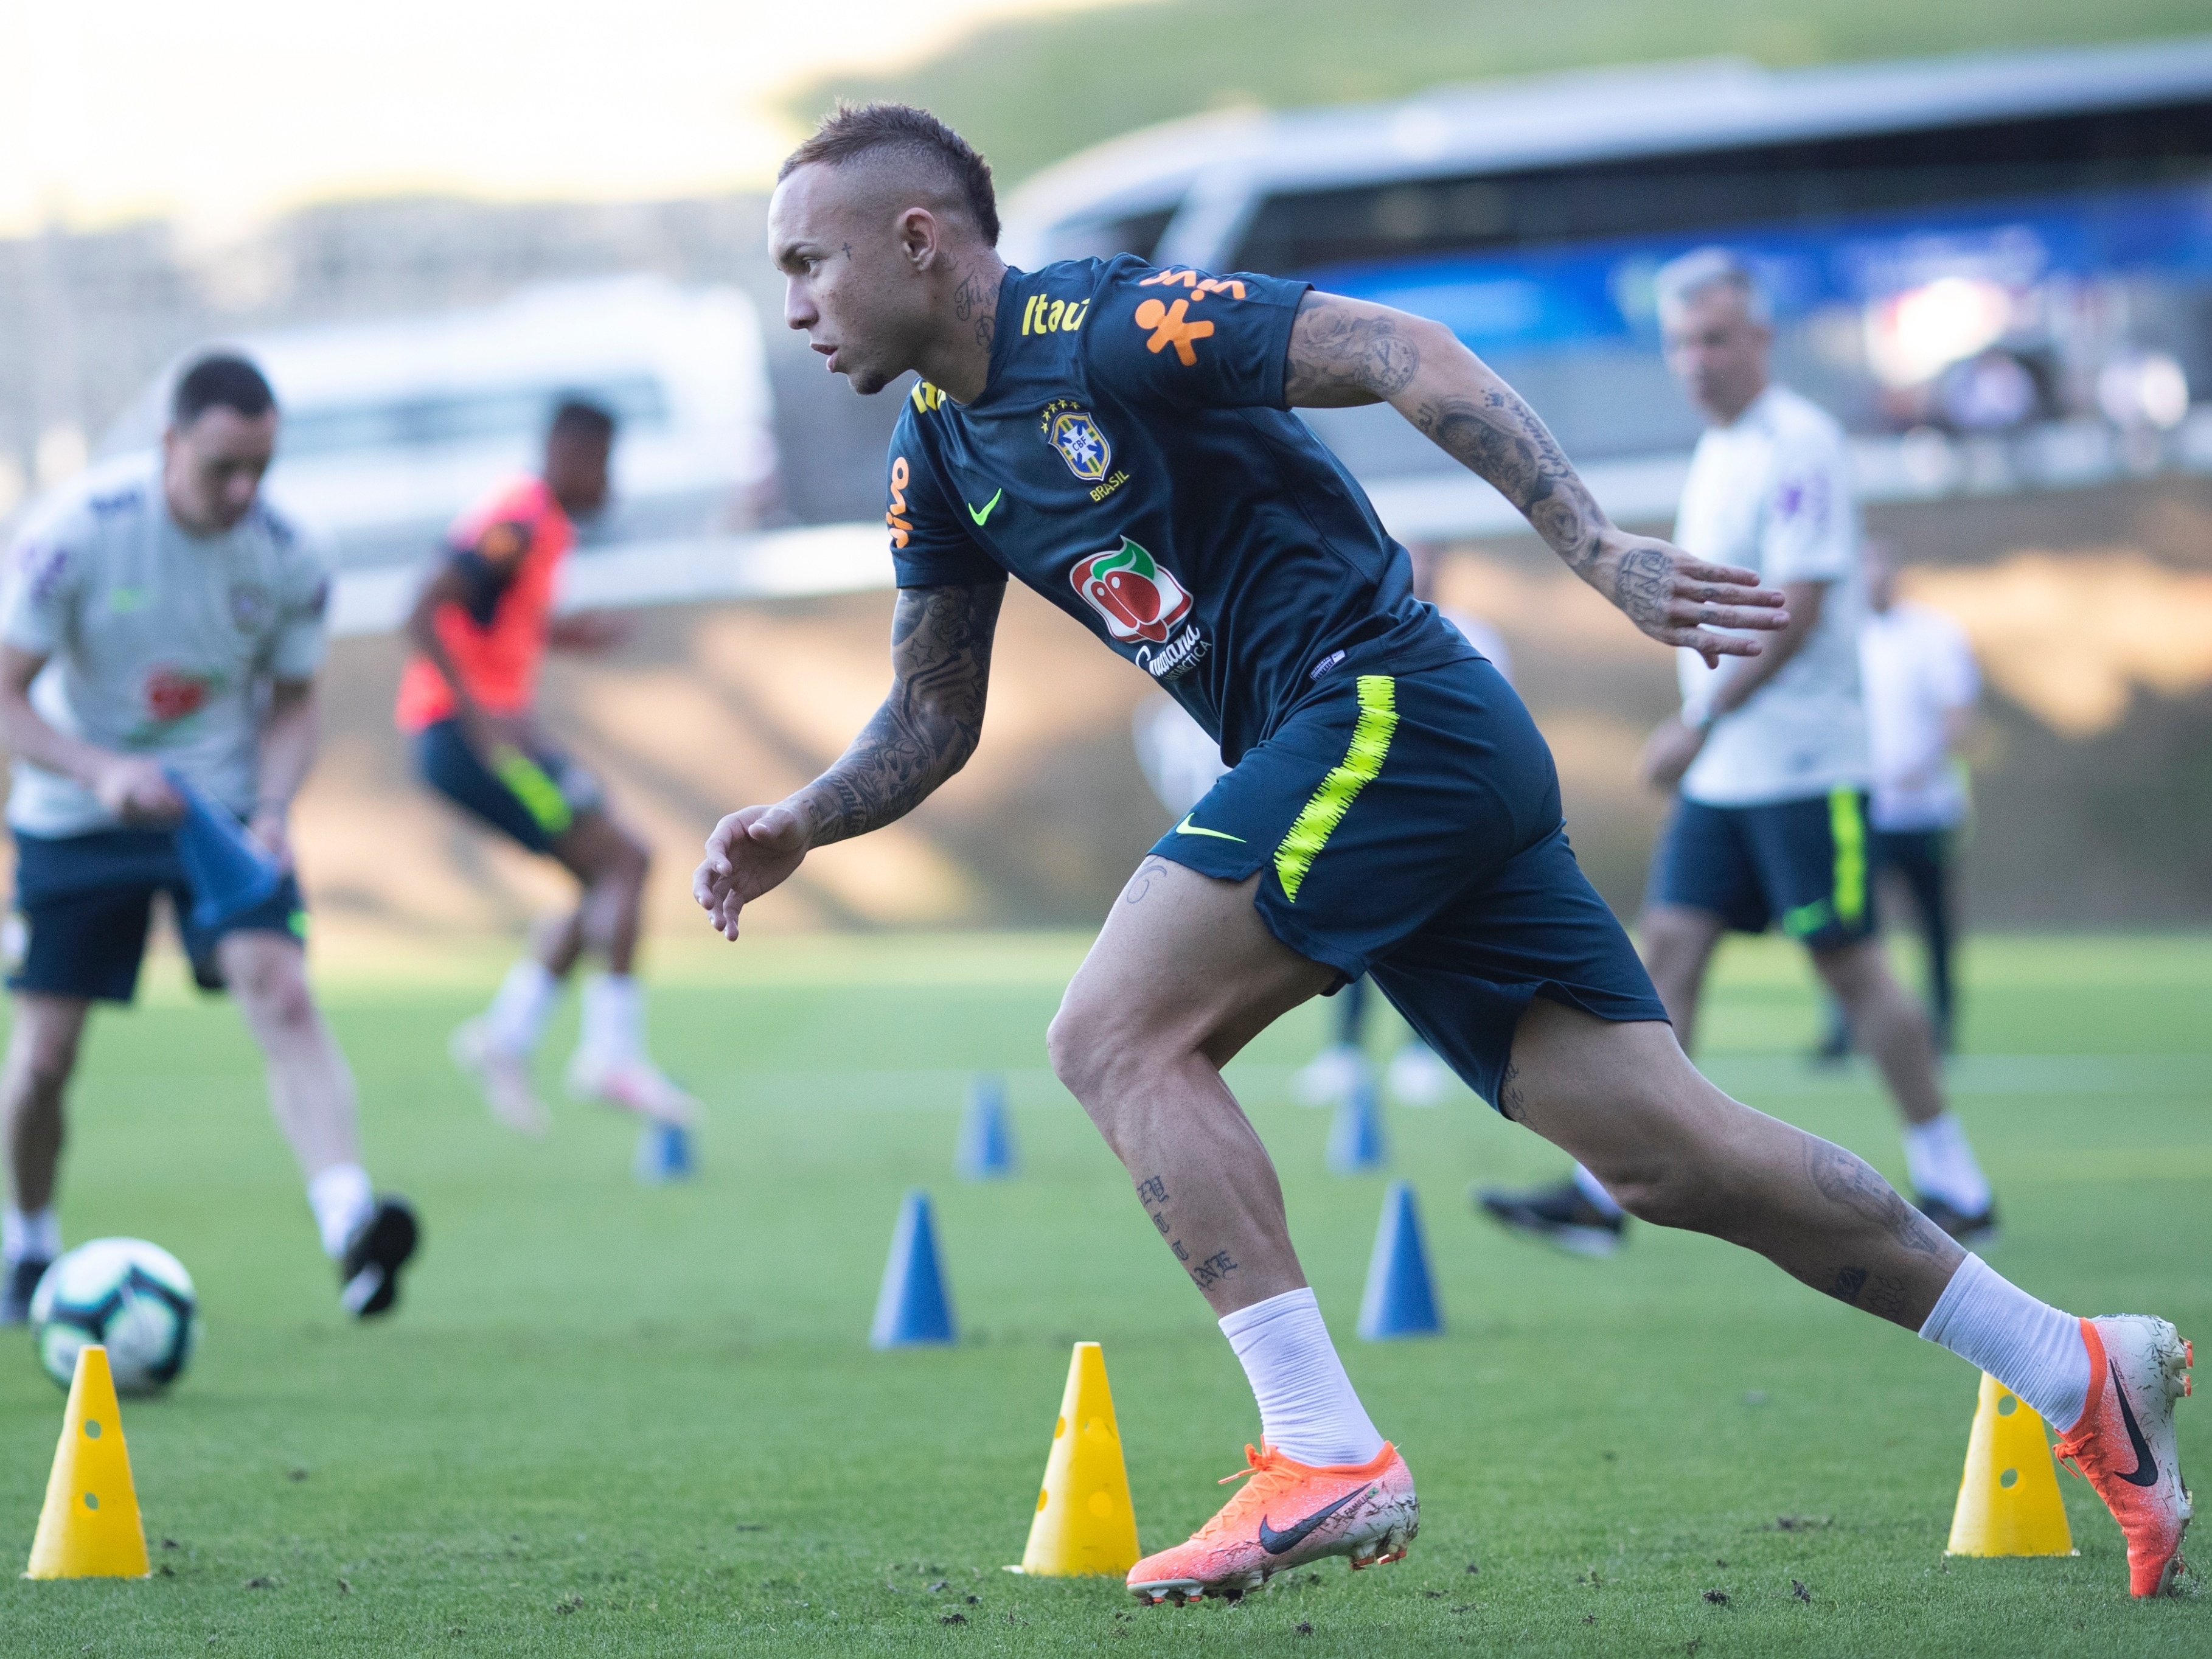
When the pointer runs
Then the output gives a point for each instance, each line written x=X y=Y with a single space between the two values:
x=2125 y=1443
x=1288 y=1514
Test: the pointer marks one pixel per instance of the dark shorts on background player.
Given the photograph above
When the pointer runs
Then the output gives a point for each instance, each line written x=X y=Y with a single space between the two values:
x=1409 y=826
x=85 y=903
x=1801 y=863
x=533 y=798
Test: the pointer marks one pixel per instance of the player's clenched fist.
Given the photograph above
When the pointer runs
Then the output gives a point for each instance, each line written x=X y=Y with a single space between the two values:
x=748 y=853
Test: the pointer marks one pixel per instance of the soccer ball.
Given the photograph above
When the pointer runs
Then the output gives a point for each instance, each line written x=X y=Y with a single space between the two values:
x=134 y=1298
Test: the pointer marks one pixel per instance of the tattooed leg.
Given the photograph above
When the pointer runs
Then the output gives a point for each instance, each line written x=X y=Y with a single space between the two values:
x=1675 y=1151
x=1182 y=976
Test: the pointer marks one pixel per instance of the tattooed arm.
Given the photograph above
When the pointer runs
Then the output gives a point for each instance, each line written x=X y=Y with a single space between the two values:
x=923 y=733
x=1346 y=352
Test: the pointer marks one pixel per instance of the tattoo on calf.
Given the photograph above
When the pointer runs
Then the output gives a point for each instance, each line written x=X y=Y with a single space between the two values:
x=1211 y=1270
x=1850 y=1181
x=1848 y=1283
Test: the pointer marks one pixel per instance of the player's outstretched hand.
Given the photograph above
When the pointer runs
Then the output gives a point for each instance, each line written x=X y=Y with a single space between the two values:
x=1678 y=600
x=750 y=852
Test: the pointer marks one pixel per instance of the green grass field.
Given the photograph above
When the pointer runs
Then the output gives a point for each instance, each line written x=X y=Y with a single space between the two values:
x=616 y=1419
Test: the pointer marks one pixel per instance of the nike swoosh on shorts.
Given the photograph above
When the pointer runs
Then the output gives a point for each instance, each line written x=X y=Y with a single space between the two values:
x=1187 y=827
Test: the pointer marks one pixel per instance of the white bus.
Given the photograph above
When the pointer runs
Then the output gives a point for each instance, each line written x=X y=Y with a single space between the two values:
x=1996 y=269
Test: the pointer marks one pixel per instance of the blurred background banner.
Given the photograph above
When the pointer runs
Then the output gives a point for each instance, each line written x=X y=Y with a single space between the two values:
x=1988 y=230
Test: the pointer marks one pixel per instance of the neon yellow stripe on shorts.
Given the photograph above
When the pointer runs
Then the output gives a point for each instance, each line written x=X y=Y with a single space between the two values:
x=1847 y=828
x=540 y=796
x=1318 y=818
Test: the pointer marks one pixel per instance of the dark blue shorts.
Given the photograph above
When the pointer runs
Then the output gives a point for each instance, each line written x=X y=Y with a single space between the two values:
x=533 y=798
x=1802 y=863
x=1409 y=826
x=84 y=903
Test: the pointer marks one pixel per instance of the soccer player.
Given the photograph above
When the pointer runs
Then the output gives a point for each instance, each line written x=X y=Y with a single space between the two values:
x=1921 y=686
x=1769 y=756
x=481 y=629
x=1119 y=438
x=160 y=620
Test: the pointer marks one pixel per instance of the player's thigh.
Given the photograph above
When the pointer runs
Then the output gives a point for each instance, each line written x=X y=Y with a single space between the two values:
x=596 y=845
x=1624 y=1099
x=84 y=905
x=265 y=972
x=1183 y=965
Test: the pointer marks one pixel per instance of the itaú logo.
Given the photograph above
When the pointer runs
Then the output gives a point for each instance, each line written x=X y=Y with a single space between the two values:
x=1139 y=598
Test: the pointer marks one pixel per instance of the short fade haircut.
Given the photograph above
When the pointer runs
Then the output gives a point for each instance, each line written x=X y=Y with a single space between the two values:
x=1680 y=280
x=581 y=417
x=903 y=132
x=221 y=379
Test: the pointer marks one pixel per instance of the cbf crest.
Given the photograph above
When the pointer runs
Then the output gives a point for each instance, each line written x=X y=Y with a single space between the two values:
x=1069 y=429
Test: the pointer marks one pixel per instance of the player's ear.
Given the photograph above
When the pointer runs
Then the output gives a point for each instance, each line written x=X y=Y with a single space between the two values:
x=919 y=235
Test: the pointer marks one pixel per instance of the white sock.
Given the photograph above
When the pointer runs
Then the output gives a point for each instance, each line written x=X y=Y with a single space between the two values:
x=1942 y=1164
x=1589 y=1187
x=1308 y=1410
x=342 y=1199
x=614 y=1018
x=2030 y=1346
x=516 y=1018
x=30 y=1235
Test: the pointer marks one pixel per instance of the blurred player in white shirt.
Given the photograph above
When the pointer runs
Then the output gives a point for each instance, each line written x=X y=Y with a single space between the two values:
x=1921 y=686
x=1770 y=754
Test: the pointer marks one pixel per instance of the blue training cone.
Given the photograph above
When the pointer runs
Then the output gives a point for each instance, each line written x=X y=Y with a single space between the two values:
x=911 y=1309
x=985 y=1147
x=227 y=869
x=1356 y=1144
x=664 y=1154
x=1400 y=1299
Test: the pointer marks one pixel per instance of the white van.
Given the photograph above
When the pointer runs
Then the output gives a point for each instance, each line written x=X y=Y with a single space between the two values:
x=393 y=427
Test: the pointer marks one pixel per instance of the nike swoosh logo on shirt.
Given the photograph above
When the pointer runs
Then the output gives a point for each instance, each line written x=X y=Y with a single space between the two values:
x=1276 y=1542
x=982 y=514
x=1187 y=827
x=2146 y=1471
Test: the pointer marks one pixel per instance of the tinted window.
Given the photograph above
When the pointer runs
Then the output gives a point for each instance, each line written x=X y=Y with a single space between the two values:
x=1671 y=193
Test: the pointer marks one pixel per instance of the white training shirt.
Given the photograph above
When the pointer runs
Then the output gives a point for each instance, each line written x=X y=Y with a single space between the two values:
x=1917 y=668
x=159 y=643
x=1771 y=492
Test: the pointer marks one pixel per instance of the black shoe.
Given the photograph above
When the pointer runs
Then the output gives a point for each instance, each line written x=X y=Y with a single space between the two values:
x=368 y=1273
x=1969 y=1230
x=22 y=1279
x=1558 y=1215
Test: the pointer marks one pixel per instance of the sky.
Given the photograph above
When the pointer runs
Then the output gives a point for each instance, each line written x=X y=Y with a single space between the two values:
x=219 y=113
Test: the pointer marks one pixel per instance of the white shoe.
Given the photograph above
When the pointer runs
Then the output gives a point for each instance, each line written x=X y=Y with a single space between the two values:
x=502 y=1077
x=1417 y=1078
x=1328 y=1076
x=632 y=1084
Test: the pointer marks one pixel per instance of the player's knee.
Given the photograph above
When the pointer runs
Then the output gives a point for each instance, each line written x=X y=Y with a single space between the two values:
x=45 y=1061
x=1086 y=1043
x=277 y=991
x=1666 y=1193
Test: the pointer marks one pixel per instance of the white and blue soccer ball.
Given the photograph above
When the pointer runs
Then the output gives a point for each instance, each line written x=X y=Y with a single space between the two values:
x=132 y=1297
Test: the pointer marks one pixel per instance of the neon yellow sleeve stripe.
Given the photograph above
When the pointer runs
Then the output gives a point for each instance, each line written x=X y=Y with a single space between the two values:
x=540 y=796
x=1847 y=828
x=1318 y=818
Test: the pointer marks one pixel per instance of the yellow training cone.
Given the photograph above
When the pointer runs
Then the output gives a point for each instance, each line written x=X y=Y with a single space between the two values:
x=2008 y=1502
x=89 y=1528
x=1084 y=1522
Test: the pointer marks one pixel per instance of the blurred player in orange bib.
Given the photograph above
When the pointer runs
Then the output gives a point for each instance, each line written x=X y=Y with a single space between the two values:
x=481 y=630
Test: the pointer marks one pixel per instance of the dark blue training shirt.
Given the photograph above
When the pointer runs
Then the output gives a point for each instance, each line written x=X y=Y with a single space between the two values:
x=1131 y=458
